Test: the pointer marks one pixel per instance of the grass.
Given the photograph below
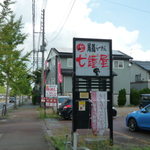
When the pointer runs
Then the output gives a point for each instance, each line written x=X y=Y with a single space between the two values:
x=59 y=143
x=47 y=113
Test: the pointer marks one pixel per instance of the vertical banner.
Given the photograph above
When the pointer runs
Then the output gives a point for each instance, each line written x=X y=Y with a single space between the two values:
x=59 y=72
x=99 y=118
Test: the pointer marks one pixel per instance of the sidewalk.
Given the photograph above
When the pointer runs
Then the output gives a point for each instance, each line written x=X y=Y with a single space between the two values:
x=22 y=130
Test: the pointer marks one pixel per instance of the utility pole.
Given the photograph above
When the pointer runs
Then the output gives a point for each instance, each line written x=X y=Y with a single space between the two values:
x=43 y=50
x=33 y=23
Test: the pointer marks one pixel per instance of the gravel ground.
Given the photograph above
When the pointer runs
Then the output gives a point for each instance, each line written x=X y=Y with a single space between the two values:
x=123 y=111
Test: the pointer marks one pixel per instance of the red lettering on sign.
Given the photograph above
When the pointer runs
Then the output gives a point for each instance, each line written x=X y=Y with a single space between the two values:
x=79 y=59
x=104 y=60
x=92 y=61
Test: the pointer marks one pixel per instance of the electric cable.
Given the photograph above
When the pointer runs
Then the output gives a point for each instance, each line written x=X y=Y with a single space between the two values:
x=61 y=28
x=127 y=6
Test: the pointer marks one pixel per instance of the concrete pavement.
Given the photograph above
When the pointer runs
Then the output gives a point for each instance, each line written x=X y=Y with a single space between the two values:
x=23 y=130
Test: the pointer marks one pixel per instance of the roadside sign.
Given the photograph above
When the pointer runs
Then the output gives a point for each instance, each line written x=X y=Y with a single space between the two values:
x=42 y=99
x=51 y=102
x=92 y=72
x=51 y=90
x=81 y=105
x=92 y=55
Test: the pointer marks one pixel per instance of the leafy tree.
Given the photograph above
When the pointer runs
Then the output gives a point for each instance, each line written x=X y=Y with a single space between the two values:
x=2 y=90
x=13 y=69
x=36 y=92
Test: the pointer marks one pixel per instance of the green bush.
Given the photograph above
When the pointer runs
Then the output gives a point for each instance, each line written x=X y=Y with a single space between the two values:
x=145 y=91
x=134 y=97
x=122 y=97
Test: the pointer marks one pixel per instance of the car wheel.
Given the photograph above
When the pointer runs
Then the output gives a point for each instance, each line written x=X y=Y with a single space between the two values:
x=132 y=125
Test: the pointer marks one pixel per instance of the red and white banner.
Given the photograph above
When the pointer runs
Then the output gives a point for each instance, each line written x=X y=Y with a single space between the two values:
x=99 y=118
x=59 y=72
x=51 y=102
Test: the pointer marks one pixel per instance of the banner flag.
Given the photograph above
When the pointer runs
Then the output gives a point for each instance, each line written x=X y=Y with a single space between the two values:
x=99 y=117
x=59 y=72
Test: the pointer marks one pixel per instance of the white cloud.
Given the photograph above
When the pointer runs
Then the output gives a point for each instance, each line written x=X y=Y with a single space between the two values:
x=78 y=25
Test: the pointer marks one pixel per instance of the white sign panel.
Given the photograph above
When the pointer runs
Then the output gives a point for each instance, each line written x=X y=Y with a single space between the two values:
x=51 y=90
x=91 y=56
x=99 y=117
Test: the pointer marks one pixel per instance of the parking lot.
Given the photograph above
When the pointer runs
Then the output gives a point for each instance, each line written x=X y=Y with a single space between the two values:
x=121 y=133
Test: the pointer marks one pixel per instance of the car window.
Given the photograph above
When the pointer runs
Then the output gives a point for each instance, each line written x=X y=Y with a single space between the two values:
x=148 y=109
x=145 y=97
x=67 y=102
x=61 y=100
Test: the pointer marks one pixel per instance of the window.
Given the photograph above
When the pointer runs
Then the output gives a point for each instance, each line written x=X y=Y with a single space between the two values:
x=69 y=62
x=138 y=77
x=117 y=64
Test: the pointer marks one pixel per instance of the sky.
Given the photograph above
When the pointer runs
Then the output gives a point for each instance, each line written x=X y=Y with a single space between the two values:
x=126 y=22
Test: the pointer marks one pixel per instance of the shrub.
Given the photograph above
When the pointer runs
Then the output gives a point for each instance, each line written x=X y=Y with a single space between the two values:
x=122 y=97
x=145 y=91
x=134 y=97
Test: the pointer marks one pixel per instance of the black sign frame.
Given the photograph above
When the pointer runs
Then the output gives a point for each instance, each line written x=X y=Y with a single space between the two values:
x=86 y=84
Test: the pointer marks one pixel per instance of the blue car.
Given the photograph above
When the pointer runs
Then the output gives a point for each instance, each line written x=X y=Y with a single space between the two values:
x=139 y=119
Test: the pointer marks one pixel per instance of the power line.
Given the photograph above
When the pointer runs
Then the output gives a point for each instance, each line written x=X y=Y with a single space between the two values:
x=61 y=28
x=127 y=6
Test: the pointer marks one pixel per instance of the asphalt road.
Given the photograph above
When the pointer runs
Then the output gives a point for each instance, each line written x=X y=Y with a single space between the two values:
x=120 y=129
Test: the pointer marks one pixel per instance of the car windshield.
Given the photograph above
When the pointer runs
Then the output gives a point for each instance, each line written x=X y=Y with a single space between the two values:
x=67 y=102
x=146 y=97
x=147 y=108
x=61 y=99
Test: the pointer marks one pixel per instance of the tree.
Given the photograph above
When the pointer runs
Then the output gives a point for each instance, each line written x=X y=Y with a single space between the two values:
x=122 y=97
x=12 y=63
x=36 y=92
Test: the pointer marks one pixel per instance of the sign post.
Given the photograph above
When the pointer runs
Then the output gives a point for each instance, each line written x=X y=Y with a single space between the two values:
x=92 y=71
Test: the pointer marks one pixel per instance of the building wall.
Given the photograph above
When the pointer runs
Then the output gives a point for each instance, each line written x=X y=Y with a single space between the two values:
x=122 y=81
x=139 y=85
x=144 y=80
x=136 y=70
x=67 y=63
x=67 y=85
x=51 y=77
